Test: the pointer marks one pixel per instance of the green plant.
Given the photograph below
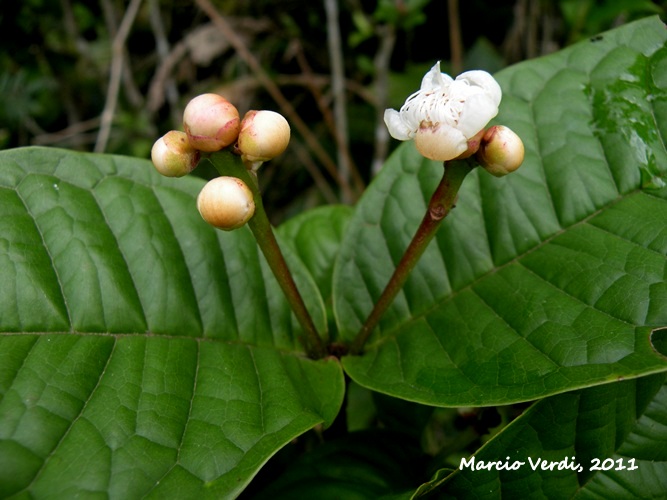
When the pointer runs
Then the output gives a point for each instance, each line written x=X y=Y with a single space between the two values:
x=144 y=353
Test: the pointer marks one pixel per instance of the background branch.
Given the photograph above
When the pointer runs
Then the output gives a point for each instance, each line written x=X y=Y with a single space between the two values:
x=162 y=49
x=285 y=106
x=387 y=34
x=455 y=38
x=338 y=90
x=117 y=51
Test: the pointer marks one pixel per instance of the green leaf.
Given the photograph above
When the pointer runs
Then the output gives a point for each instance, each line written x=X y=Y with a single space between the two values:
x=315 y=237
x=544 y=281
x=142 y=352
x=607 y=430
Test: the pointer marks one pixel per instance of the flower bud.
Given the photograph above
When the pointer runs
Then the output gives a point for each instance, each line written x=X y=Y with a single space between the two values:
x=173 y=156
x=211 y=122
x=501 y=151
x=264 y=135
x=226 y=203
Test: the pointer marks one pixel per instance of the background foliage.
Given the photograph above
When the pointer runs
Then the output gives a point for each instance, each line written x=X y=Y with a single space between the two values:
x=135 y=362
x=57 y=62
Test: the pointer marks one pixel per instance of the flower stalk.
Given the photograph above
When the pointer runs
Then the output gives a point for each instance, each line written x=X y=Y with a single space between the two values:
x=441 y=203
x=228 y=164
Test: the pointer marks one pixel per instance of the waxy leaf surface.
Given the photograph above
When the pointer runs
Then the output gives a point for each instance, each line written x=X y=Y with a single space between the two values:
x=544 y=281
x=602 y=442
x=142 y=352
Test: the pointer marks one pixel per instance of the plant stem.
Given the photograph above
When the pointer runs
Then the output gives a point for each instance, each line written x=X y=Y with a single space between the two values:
x=439 y=206
x=227 y=163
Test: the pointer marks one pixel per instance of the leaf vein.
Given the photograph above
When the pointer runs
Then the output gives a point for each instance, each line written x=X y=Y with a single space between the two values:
x=75 y=419
x=48 y=252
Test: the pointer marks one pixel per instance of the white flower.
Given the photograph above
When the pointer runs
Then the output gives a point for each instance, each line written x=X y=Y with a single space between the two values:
x=444 y=113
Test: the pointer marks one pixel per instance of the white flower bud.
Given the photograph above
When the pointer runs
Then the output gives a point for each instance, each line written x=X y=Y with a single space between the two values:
x=263 y=136
x=211 y=122
x=173 y=156
x=226 y=203
x=501 y=151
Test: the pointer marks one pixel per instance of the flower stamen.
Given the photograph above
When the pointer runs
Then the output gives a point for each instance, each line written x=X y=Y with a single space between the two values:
x=445 y=112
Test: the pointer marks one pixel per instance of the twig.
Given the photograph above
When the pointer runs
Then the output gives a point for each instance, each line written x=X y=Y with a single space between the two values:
x=70 y=132
x=316 y=174
x=338 y=91
x=313 y=83
x=455 y=40
x=71 y=28
x=387 y=34
x=162 y=74
x=162 y=48
x=309 y=81
x=117 y=50
x=273 y=90
x=132 y=93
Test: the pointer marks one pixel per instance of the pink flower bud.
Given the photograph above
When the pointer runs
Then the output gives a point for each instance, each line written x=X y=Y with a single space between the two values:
x=211 y=122
x=501 y=151
x=226 y=203
x=173 y=156
x=264 y=135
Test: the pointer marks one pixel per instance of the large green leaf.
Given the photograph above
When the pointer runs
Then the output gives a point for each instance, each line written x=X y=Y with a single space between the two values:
x=315 y=237
x=141 y=351
x=544 y=281
x=616 y=433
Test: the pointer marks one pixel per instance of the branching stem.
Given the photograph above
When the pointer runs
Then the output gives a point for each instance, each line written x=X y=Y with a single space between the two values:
x=227 y=163
x=440 y=205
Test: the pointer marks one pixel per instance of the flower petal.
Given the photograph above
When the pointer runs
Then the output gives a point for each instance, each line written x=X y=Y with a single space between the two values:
x=444 y=113
x=485 y=81
x=396 y=126
x=434 y=79
x=477 y=111
x=440 y=142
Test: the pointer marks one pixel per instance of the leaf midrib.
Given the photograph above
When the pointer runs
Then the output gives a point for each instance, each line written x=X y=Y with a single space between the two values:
x=392 y=332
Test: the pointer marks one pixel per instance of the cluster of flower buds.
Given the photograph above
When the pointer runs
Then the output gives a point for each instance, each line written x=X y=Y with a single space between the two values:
x=212 y=123
x=447 y=118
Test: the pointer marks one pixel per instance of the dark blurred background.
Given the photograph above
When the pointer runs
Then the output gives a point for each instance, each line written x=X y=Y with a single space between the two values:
x=112 y=76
